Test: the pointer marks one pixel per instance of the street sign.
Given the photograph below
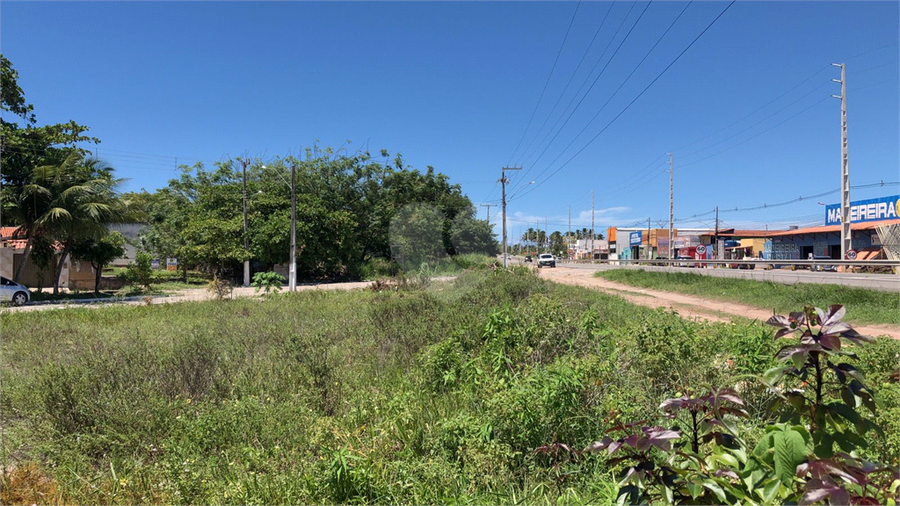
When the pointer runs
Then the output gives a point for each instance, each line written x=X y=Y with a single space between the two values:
x=851 y=254
x=701 y=249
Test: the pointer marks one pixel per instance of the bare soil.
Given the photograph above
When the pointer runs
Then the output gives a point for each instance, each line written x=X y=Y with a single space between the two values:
x=687 y=306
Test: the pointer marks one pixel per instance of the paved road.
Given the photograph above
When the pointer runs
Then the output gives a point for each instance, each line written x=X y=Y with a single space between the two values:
x=881 y=282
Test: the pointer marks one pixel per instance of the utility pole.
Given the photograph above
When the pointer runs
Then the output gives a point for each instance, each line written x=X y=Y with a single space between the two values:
x=489 y=206
x=593 y=234
x=569 y=232
x=647 y=252
x=503 y=185
x=671 y=204
x=547 y=237
x=845 y=166
x=292 y=282
x=244 y=163
x=717 y=236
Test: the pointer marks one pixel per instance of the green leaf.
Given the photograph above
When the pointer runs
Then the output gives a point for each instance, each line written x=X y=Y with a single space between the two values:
x=769 y=490
x=716 y=489
x=694 y=489
x=790 y=451
x=724 y=458
x=774 y=374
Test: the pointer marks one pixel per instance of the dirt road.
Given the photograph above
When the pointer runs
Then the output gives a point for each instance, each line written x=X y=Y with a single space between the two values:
x=688 y=306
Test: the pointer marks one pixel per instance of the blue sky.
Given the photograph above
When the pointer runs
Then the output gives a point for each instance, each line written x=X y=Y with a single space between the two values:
x=746 y=110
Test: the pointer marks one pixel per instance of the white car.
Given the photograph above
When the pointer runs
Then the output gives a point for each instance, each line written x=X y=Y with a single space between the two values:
x=11 y=291
x=546 y=260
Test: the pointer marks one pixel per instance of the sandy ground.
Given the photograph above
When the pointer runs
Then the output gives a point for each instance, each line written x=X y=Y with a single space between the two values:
x=193 y=294
x=687 y=306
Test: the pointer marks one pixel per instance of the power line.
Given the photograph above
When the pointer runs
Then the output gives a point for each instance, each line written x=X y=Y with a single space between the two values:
x=552 y=68
x=621 y=43
x=586 y=79
x=620 y=86
x=566 y=87
x=635 y=98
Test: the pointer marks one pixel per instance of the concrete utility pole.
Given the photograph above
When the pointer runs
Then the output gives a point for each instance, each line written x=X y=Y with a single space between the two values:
x=569 y=232
x=244 y=163
x=717 y=236
x=845 y=166
x=547 y=237
x=671 y=204
x=647 y=252
x=489 y=206
x=292 y=282
x=503 y=185
x=593 y=234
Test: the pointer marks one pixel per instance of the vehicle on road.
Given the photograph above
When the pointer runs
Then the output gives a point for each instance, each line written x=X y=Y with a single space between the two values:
x=528 y=258
x=823 y=267
x=685 y=261
x=546 y=259
x=10 y=291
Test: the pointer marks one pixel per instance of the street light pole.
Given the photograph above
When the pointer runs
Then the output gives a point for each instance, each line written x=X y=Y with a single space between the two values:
x=292 y=282
x=246 y=238
x=503 y=185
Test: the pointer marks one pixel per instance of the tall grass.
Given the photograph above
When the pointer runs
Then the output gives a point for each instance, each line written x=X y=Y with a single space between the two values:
x=436 y=394
x=863 y=306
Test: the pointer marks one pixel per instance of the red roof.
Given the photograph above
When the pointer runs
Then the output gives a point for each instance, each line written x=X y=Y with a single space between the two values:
x=12 y=233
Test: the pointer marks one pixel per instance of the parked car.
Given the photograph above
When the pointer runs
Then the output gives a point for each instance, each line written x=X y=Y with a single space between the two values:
x=546 y=259
x=823 y=267
x=685 y=261
x=11 y=291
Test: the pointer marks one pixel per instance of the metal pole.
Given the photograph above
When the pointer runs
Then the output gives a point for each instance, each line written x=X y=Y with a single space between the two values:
x=671 y=204
x=503 y=185
x=846 y=244
x=246 y=238
x=292 y=282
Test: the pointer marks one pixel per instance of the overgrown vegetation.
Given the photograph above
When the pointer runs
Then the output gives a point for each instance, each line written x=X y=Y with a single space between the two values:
x=466 y=392
x=863 y=306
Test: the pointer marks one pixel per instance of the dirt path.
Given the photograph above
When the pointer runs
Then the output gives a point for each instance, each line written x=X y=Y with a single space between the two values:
x=688 y=306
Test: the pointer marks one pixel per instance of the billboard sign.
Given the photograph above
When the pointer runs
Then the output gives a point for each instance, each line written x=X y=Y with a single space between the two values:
x=635 y=238
x=883 y=208
x=171 y=264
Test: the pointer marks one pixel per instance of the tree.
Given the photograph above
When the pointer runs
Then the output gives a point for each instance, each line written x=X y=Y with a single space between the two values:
x=471 y=235
x=82 y=202
x=99 y=253
x=24 y=148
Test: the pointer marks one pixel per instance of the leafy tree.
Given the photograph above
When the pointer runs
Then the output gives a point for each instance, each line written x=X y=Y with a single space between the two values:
x=99 y=253
x=140 y=272
x=82 y=202
x=23 y=148
x=471 y=235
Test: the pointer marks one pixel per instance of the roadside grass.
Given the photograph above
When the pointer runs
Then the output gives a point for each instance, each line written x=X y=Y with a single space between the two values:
x=863 y=306
x=419 y=394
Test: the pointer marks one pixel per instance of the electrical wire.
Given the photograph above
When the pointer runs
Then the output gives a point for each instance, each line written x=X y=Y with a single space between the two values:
x=552 y=68
x=635 y=98
x=566 y=87
x=621 y=43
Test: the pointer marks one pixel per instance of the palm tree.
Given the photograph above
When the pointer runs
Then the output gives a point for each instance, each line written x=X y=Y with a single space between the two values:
x=83 y=200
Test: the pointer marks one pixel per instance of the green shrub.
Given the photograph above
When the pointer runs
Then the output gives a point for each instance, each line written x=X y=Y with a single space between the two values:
x=268 y=281
x=139 y=273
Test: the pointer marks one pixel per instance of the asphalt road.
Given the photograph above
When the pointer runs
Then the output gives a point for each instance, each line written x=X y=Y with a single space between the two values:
x=880 y=282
